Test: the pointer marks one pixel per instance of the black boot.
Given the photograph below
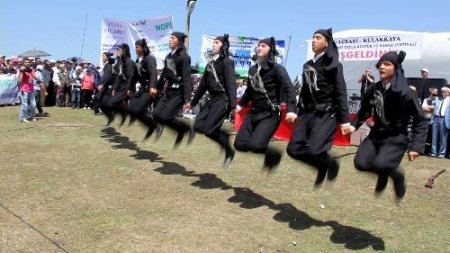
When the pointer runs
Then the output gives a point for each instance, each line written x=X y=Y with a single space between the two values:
x=398 y=178
x=179 y=138
x=229 y=156
x=381 y=183
x=191 y=136
x=321 y=175
x=272 y=159
x=333 y=169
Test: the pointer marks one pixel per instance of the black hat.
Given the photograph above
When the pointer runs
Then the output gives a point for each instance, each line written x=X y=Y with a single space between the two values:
x=126 y=50
x=180 y=36
x=143 y=43
x=273 y=50
x=331 y=56
x=225 y=44
x=394 y=57
x=399 y=83
x=327 y=33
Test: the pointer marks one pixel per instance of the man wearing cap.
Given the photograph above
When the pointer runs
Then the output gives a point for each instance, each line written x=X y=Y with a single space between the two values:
x=267 y=81
x=392 y=104
x=176 y=76
x=219 y=80
x=322 y=104
x=440 y=131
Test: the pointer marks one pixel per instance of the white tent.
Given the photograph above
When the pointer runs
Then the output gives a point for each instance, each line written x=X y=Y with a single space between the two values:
x=423 y=50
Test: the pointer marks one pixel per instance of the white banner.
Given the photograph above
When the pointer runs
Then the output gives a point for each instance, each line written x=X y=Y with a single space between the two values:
x=157 y=33
x=8 y=89
x=369 y=48
x=114 y=33
x=241 y=49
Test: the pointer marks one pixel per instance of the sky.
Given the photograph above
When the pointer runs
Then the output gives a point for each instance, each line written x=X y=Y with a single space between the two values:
x=57 y=26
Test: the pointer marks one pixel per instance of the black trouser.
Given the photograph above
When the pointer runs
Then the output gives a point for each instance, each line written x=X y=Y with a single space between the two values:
x=256 y=131
x=98 y=99
x=86 y=96
x=37 y=97
x=111 y=104
x=210 y=119
x=167 y=109
x=138 y=108
x=429 y=138
x=312 y=139
x=381 y=153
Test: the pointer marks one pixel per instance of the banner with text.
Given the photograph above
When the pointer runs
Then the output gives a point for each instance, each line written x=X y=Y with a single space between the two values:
x=369 y=48
x=8 y=89
x=114 y=33
x=156 y=31
x=241 y=49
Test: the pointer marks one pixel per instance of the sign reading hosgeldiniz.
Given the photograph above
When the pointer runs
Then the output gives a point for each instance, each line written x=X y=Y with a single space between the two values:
x=373 y=47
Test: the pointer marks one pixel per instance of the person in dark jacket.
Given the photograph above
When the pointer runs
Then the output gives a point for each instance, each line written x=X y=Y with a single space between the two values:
x=219 y=80
x=105 y=83
x=139 y=104
x=267 y=82
x=176 y=78
x=322 y=104
x=392 y=104
x=124 y=85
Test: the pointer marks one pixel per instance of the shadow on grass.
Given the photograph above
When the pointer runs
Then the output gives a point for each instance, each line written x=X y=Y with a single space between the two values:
x=352 y=238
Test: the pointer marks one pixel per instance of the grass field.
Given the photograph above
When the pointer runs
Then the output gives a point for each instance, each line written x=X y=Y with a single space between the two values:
x=69 y=184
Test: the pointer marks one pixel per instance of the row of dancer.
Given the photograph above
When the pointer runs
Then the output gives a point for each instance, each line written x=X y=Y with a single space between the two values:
x=322 y=105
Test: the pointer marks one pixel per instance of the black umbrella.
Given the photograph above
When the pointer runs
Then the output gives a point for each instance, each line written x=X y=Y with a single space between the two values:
x=79 y=59
x=34 y=54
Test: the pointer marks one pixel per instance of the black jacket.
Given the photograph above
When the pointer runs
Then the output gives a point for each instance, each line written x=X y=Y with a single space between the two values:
x=276 y=82
x=125 y=71
x=227 y=77
x=107 y=78
x=398 y=111
x=147 y=71
x=181 y=63
x=331 y=88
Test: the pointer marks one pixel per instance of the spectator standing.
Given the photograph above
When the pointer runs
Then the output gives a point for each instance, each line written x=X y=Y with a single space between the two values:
x=87 y=88
x=440 y=131
x=26 y=92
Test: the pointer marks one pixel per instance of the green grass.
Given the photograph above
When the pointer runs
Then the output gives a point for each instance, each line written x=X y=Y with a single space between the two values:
x=95 y=189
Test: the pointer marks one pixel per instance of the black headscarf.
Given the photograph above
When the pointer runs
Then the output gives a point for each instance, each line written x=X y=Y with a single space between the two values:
x=224 y=51
x=399 y=84
x=181 y=38
x=143 y=43
x=331 y=56
x=125 y=51
x=273 y=50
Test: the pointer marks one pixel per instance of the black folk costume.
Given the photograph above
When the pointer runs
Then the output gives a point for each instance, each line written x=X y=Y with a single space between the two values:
x=267 y=82
x=219 y=80
x=176 y=76
x=139 y=104
x=124 y=72
x=106 y=80
x=392 y=107
x=322 y=104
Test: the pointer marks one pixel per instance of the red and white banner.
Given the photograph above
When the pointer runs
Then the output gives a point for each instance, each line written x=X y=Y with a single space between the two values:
x=369 y=48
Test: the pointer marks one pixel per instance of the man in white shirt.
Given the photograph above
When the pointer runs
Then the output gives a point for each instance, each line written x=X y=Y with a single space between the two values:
x=428 y=106
x=440 y=131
